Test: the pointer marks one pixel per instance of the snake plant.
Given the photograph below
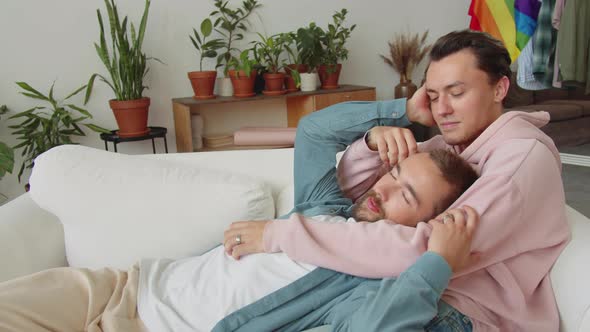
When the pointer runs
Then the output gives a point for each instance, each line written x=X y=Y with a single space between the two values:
x=125 y=62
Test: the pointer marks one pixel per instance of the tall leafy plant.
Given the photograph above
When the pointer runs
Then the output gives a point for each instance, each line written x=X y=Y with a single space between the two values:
x=310 y=40
x=231 y=24
x=293 y=44
x=334 y=38
x=206 y=49
x=125 y=62
x=269 y=51
x=6 y=152
x=51 y=124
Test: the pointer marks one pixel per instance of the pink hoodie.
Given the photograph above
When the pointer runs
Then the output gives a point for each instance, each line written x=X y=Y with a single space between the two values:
x=522 y=228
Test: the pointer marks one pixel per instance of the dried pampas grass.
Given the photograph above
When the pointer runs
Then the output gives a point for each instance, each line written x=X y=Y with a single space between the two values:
x=406 y=52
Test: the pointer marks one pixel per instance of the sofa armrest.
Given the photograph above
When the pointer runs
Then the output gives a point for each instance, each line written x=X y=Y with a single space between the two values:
x=569 y=276
x=31 y=239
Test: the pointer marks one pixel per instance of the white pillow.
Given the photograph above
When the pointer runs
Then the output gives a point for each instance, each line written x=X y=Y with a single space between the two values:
x=117 y=209
x=286 y=200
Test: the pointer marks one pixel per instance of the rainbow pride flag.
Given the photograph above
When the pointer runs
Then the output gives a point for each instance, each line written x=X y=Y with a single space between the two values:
x=511 y=21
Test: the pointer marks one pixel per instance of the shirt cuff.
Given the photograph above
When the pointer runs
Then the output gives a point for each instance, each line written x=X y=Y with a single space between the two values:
x=395 y=109
x=434 y=269
x=269 y=241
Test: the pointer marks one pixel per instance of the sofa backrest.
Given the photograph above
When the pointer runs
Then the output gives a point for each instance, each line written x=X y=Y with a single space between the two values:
x=273 y=166
x=518 y=96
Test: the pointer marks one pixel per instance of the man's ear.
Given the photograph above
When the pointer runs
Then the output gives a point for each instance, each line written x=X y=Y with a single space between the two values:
x=501 y=89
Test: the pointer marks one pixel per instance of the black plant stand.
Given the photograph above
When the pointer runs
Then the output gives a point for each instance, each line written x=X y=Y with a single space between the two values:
x=153 y=133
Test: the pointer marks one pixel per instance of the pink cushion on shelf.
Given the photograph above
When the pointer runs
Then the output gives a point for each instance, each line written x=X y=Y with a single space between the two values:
x=265 y=136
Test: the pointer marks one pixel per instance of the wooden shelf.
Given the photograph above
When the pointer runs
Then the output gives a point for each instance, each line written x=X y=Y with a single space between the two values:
x=299 y=104
x=188 y=101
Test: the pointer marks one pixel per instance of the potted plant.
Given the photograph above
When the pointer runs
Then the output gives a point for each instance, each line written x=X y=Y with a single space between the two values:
x=203 y=82
x=231 y=24
x=269 y=50
x=6 y=152
x=127 y=67
x=405 y=53
x=333 y=40
x=46 y=126
x=295 y=61
x=242 y=74
x=311 y=54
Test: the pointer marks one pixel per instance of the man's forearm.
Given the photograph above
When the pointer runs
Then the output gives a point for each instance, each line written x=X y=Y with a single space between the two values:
x=408 y=303
x=322 y=134
x=371 y=250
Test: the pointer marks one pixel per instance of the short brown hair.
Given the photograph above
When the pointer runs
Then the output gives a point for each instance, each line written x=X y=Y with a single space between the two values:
x=492 y=57
x=456 y=171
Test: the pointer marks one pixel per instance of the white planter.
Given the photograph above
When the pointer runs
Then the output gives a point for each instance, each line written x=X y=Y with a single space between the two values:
x=309 y=81
x=224 y=87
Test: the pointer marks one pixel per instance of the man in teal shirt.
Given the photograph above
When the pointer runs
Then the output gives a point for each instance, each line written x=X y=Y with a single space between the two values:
x=350 y=303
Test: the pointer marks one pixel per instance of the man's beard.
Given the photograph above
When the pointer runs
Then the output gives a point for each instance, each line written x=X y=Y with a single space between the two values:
x=361 y=212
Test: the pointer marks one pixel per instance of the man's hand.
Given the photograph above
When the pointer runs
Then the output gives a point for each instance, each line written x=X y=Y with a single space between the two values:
x=244 y=237
x=393 y=143
x=451 y=236
x=418 y=108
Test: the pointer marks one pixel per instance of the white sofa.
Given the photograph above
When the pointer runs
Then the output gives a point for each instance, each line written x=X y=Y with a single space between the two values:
x=32 y=239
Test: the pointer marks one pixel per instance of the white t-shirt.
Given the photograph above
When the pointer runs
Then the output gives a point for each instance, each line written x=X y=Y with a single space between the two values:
x=195 y=293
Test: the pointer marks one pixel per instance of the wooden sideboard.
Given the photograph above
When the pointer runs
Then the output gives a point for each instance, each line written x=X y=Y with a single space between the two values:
x=298 y=105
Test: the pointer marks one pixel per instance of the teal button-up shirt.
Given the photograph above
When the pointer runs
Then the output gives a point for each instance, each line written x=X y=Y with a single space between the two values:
x=324 y=296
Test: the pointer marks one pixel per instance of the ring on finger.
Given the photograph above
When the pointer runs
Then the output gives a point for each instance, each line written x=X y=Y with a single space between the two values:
x=238 y=239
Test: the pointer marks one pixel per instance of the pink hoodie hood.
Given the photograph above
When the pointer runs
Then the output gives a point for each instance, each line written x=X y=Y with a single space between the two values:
x=511 y=125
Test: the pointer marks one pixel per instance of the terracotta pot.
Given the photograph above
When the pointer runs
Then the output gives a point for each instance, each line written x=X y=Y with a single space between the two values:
x=132 y=116
x=289 y=81
x=328 y=79
x=405 y=88
x=243 y=85
x=273 y=84
x=203 y=83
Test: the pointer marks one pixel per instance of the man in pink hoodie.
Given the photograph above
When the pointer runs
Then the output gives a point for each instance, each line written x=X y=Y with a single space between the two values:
x=519 y=194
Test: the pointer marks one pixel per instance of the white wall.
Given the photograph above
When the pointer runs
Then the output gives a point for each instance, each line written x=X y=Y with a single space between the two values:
x=43 y=41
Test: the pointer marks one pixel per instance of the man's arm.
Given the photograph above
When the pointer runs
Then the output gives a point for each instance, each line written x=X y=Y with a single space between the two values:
x=410 y=302
x=384 y=249
x=381 y=148
x=405 y=304
x=365 y=161
x=371 y=250
x=320 y=135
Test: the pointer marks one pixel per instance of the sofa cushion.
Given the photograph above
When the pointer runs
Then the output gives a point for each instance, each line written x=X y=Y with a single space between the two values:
x=558 y=112
x=285 y=200
x=584 y=104
x=116 y=209
x=517 y=96
x=550 y=94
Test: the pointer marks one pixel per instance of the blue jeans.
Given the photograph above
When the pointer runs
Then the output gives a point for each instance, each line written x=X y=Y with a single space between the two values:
x=449 y=319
